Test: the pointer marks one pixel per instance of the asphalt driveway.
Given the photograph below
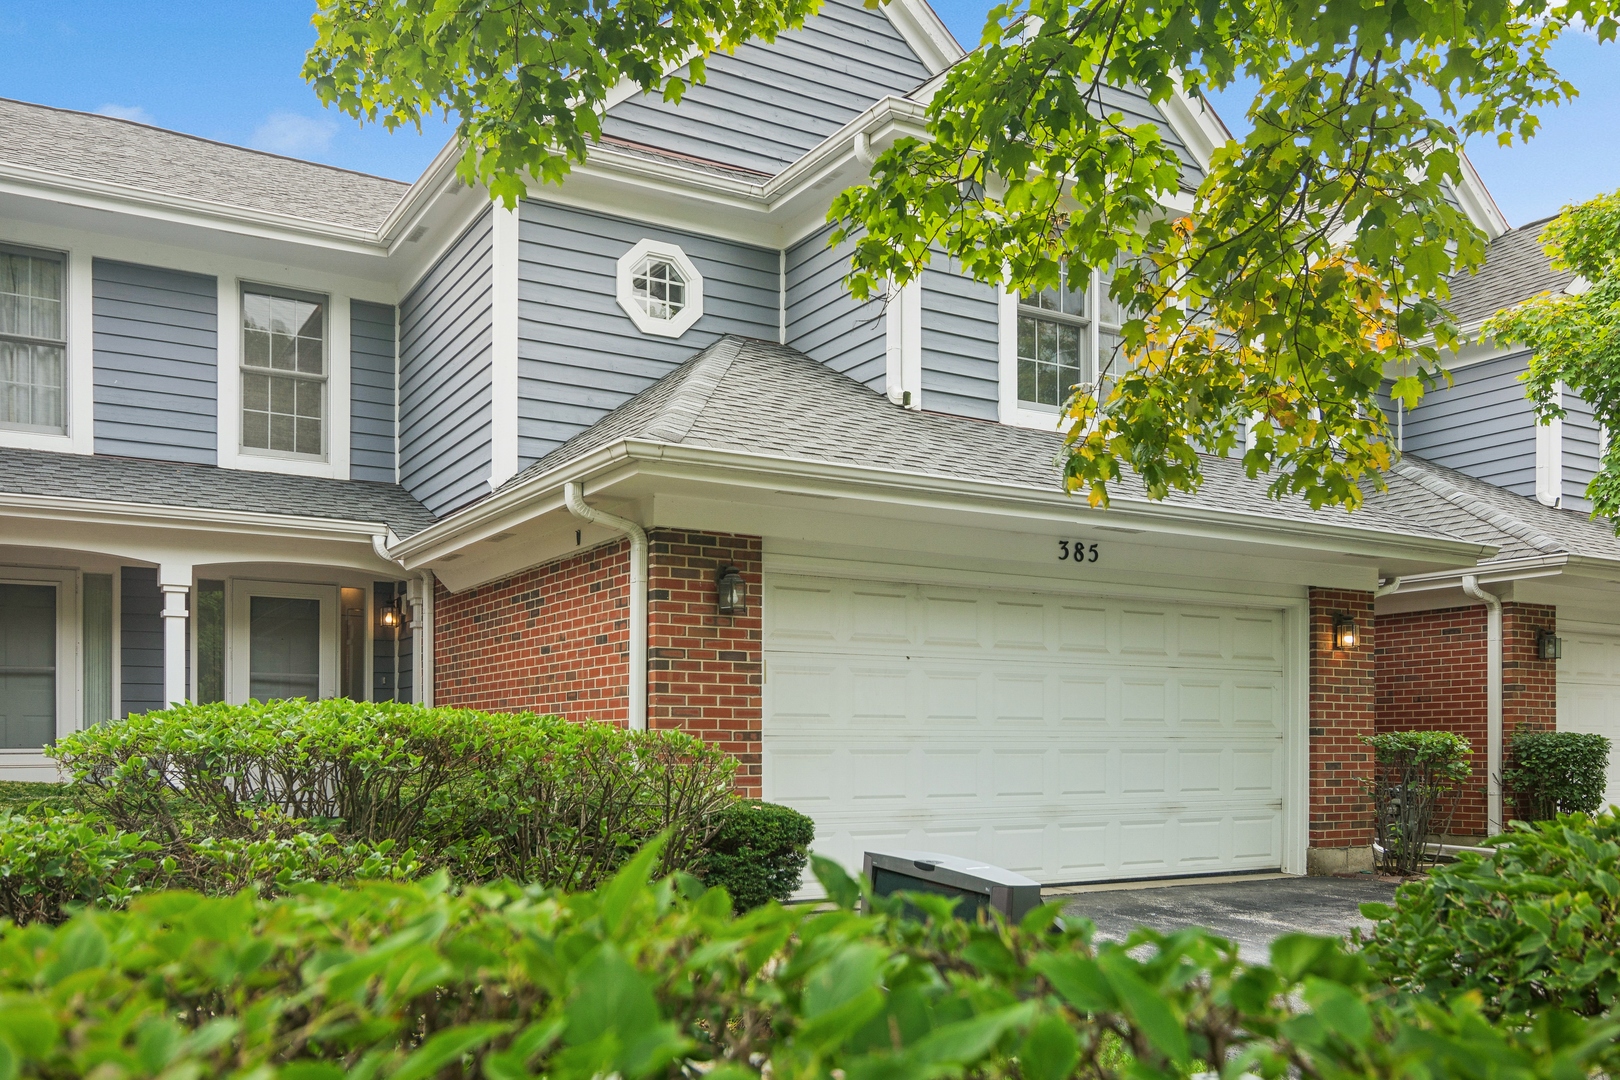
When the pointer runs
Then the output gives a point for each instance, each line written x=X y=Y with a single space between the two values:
x=1252 y=913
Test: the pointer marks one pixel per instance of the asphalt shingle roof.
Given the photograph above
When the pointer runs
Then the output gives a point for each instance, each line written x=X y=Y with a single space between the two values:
x=1471 y=509
x=757 y=397
x=1516 y=268
x=205 y=487
x=149 y=159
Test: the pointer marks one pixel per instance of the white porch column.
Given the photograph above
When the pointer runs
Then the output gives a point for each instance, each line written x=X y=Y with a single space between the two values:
x=175 y=583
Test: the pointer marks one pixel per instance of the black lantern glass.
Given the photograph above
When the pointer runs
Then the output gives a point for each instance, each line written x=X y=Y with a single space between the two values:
x=388 y=615
x=1549 y=646
x=1345 y=635
x=730 y=592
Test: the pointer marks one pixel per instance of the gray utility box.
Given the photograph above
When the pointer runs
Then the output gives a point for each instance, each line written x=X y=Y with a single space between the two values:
x=979 y=884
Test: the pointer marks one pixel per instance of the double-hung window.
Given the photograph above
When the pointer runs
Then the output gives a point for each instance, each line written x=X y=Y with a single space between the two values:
x=33 y=342
x=284 y=372
x=1062 y=334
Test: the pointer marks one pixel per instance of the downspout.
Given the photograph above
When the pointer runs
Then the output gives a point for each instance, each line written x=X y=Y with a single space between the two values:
x=1493 y=701
x=574 y=496
x=424 y=673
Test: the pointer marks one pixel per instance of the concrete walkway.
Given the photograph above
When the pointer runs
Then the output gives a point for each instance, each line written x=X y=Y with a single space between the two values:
x=1252 y=913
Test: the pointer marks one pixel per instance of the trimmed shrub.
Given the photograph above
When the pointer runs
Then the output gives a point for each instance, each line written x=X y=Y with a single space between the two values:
x=1537 y=924
x=1414 y=772
x=640 y=981
x=1556 y=772
x=757 y=853
x=484 y=795
x=27 y=796
x=51 y=861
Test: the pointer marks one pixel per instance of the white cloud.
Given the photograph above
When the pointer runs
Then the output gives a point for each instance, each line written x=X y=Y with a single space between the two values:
x=127 y=112
x=293 y=135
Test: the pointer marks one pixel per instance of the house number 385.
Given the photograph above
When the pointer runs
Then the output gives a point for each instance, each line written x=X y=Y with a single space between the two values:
x=1076 y=551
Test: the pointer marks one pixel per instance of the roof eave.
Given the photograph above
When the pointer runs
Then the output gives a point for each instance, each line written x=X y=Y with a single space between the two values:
x=523 y=500
x=107 y=511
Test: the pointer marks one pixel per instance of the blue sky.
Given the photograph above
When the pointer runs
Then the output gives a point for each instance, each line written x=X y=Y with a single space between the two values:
x=229 y=71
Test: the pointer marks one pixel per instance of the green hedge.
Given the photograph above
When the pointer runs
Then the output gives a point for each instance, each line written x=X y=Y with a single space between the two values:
x=1535 y=925
x=1554 y=772
x=1415 y=775
x=484 y=795
x=756 y=852
x=637 y=981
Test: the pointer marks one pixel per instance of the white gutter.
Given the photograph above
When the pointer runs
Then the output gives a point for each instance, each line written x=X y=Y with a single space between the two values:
x=574 y=495
x=1493 y=701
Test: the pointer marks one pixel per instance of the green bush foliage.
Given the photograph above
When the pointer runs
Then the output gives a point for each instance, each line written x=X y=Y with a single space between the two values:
x=51 y=861
x=1536 y=924
x=1556 y=772
x=1414 y=773
x=637 y=980
x=485 y=795
x=757 y=852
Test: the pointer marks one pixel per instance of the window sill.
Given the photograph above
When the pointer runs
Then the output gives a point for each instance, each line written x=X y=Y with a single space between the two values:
x=249 y=461
x=1036 y=419
x=39 y=440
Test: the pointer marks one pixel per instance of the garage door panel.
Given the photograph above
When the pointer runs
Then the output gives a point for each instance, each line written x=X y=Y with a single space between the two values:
x=1589 y=693
x=1066 y=739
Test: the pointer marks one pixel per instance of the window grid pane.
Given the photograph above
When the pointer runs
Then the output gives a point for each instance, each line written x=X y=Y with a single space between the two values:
x=283 y=375
x=659 y=287
x=30 y=296
x=1051 y=359
x=31 y=386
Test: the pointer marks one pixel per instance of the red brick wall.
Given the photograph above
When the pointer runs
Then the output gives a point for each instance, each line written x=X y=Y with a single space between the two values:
x=706 y=669
x=1342 y=711
x=1432 y=676
x=554 y=639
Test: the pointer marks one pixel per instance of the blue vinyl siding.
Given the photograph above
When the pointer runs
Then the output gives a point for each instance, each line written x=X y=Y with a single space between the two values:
x=141 y=640
x=763 y=106
x=579 y=355
x=960 y=329
x=387 y=683
x=827 y=324
x=156 y=363
x=371 y=395
x=1582 y=451
x=1481 y=425
x=445 y=333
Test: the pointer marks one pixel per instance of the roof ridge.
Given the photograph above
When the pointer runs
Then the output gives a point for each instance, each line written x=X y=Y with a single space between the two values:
x=1416 y=471
x=703 y=376
x=205 y=139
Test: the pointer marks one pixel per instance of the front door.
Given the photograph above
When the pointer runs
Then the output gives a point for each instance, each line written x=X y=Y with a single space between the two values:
x=27 y=665
x=283 y=641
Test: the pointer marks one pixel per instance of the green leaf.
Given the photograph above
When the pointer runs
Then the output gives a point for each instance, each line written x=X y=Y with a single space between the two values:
x=1147 y=1010
x=1340 y=1009
x=445 y=1048
x=1050 y=1050
x=1079 y=980
x=842 y=889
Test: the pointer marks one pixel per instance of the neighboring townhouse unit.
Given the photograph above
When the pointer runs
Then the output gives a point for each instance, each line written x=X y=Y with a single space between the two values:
x=629 y=452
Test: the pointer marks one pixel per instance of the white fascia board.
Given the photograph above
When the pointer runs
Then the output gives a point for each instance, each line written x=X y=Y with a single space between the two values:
x=925 y=32
x=119 y=199
x=1522 y=569
x=106 y=512
x=1477 y=200
x=1196 y=123
x=421 y=196
x=894 y=486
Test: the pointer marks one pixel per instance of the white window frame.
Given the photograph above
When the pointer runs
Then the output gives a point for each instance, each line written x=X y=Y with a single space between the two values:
x=238 y=610
x=33 y=764
x=625 y=273
x=1011 y=410
x=335 y=463
x=78 y=391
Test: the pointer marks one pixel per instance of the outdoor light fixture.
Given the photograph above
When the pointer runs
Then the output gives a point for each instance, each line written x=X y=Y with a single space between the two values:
x=730 y=592
x=1344 y=632
x=1549 y=646
x=388 y=615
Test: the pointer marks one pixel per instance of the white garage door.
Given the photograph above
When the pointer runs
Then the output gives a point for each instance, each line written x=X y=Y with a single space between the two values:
x=1069 y=739
x=1589 y=691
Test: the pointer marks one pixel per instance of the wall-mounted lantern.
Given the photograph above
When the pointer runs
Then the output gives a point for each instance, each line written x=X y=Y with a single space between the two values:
x=1345 y=635
x=388 y=615
x=730 y=592
x=1549 y=646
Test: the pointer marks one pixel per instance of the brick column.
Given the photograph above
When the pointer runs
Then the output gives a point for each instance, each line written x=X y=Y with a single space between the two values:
x=1342 y=711
x=1529 y=684
x=706 y=669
